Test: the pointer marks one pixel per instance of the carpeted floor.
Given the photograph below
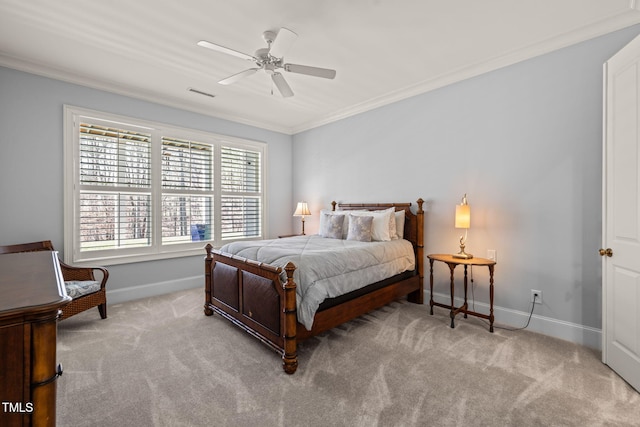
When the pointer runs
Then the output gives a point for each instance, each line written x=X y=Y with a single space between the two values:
x=161 y=362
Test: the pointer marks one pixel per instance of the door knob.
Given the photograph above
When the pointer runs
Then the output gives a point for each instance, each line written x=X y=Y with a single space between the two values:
x=608 y=252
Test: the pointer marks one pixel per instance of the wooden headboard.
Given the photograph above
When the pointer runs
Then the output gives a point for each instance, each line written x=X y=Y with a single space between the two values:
x=413 y=223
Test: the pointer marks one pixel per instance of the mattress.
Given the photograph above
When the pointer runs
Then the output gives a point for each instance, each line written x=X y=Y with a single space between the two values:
x=328 y=268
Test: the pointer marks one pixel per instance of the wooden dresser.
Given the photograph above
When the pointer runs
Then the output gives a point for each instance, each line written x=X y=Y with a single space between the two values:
x=31 y=296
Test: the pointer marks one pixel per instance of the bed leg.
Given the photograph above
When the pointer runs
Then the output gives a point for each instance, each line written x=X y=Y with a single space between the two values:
x=289 y=366
x=417 y=297
x=290 y=355
x=207 y=281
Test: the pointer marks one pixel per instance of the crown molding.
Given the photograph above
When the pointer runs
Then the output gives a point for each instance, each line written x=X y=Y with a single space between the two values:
x=627 y=18
x=130 y=92
x=618 y=22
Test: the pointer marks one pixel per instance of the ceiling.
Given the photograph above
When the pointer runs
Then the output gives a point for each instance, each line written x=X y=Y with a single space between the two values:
x=382 y=50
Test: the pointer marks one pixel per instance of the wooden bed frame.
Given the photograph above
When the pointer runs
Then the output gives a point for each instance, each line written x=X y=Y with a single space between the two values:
x=252 y=296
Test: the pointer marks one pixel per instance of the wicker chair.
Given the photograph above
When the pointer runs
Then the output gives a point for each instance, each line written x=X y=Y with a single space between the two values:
x=80 y=282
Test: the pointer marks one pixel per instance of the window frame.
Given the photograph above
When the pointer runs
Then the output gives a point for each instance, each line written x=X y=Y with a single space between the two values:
x=157 y=250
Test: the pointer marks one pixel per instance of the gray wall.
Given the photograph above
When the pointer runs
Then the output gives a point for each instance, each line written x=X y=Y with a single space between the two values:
x=31 y=175
x=524 y=142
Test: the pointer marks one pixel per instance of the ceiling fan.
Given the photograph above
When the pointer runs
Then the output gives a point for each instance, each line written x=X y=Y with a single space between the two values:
x=271 y=59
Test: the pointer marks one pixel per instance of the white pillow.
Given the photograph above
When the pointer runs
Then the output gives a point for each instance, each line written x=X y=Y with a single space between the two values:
x=383 y=228
x=393 y=232
x=400 y=216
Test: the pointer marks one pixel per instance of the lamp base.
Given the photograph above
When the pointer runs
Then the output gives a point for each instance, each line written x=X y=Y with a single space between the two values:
x=462 y=255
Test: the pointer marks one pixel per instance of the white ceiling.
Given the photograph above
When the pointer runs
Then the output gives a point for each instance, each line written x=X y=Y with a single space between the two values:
x=383 y=50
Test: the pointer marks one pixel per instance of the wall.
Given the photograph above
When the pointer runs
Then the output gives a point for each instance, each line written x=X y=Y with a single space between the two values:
x=31 y=175
x=524 y=142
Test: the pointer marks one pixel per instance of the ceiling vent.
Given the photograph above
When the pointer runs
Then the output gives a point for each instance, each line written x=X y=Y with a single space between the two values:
x=199 y=92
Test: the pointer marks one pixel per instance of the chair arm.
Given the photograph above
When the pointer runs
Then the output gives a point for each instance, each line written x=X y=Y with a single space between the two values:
x=70 y=272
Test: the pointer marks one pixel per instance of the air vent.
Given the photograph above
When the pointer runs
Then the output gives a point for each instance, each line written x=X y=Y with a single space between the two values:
x=201 y=92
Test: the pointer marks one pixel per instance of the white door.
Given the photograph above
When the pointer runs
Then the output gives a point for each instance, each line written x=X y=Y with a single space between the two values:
x=621 y=214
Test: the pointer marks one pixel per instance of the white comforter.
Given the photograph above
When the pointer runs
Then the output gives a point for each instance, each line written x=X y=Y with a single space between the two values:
x=327 y=268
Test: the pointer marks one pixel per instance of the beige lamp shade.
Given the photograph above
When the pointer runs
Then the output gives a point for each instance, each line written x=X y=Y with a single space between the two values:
x=463 y=216
x=463 y=220
x=302 y=210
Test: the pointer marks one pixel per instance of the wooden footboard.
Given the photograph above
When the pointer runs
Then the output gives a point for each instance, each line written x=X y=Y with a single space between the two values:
x=251 y=295
x=261 y=299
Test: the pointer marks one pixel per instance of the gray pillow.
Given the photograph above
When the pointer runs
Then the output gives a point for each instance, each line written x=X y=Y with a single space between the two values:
x=360 y=228
x=332 y=226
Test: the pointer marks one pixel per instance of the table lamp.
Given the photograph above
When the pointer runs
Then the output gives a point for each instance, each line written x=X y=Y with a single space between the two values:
x=463 y=220
x=302 y=210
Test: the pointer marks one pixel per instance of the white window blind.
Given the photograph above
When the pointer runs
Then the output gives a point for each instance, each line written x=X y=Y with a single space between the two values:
x=115 y=188
x=241 y=202
x=138 y=190
x=186 y=164
x=187 y=196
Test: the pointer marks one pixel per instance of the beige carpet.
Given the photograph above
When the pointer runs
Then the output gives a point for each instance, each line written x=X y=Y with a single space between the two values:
x=162 y=362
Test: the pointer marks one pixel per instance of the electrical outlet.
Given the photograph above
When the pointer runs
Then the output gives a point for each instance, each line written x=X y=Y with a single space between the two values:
x=538 y=296
x=492 y=255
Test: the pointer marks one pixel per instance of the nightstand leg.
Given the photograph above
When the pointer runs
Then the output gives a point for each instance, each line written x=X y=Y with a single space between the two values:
x=491 y=298
x=452 y=313
x=465 y=292
x=431 y=285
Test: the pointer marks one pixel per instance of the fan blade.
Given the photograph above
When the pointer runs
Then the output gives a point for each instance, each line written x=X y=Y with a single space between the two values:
x=222 y=49
x=284 y=40
x=234 y=78
x=282 y=85
x=310 y=71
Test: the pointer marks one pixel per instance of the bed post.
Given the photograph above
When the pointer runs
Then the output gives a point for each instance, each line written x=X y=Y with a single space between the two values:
x=207 y=280
x=290 y=355
x=418 y=296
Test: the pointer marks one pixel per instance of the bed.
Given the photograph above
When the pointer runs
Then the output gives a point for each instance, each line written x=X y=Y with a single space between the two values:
x=263 y=298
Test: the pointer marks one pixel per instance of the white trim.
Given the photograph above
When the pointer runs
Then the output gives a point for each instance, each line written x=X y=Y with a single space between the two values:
x=130 y=92
x=157 y=130
x=117 y=296
x=505 y=317
x=68 y=180
x=619 y=22
x=605 y=77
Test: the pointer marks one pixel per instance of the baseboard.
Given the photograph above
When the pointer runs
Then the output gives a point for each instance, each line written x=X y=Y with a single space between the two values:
x=573 y=332
x=117 y=296
x=579 y=334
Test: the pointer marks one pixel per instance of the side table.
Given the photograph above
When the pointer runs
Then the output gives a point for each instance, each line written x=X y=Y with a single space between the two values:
x=453 y=262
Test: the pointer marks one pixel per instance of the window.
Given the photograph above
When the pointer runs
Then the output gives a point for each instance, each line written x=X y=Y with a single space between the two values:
x=241 y=207
x=138 y=190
